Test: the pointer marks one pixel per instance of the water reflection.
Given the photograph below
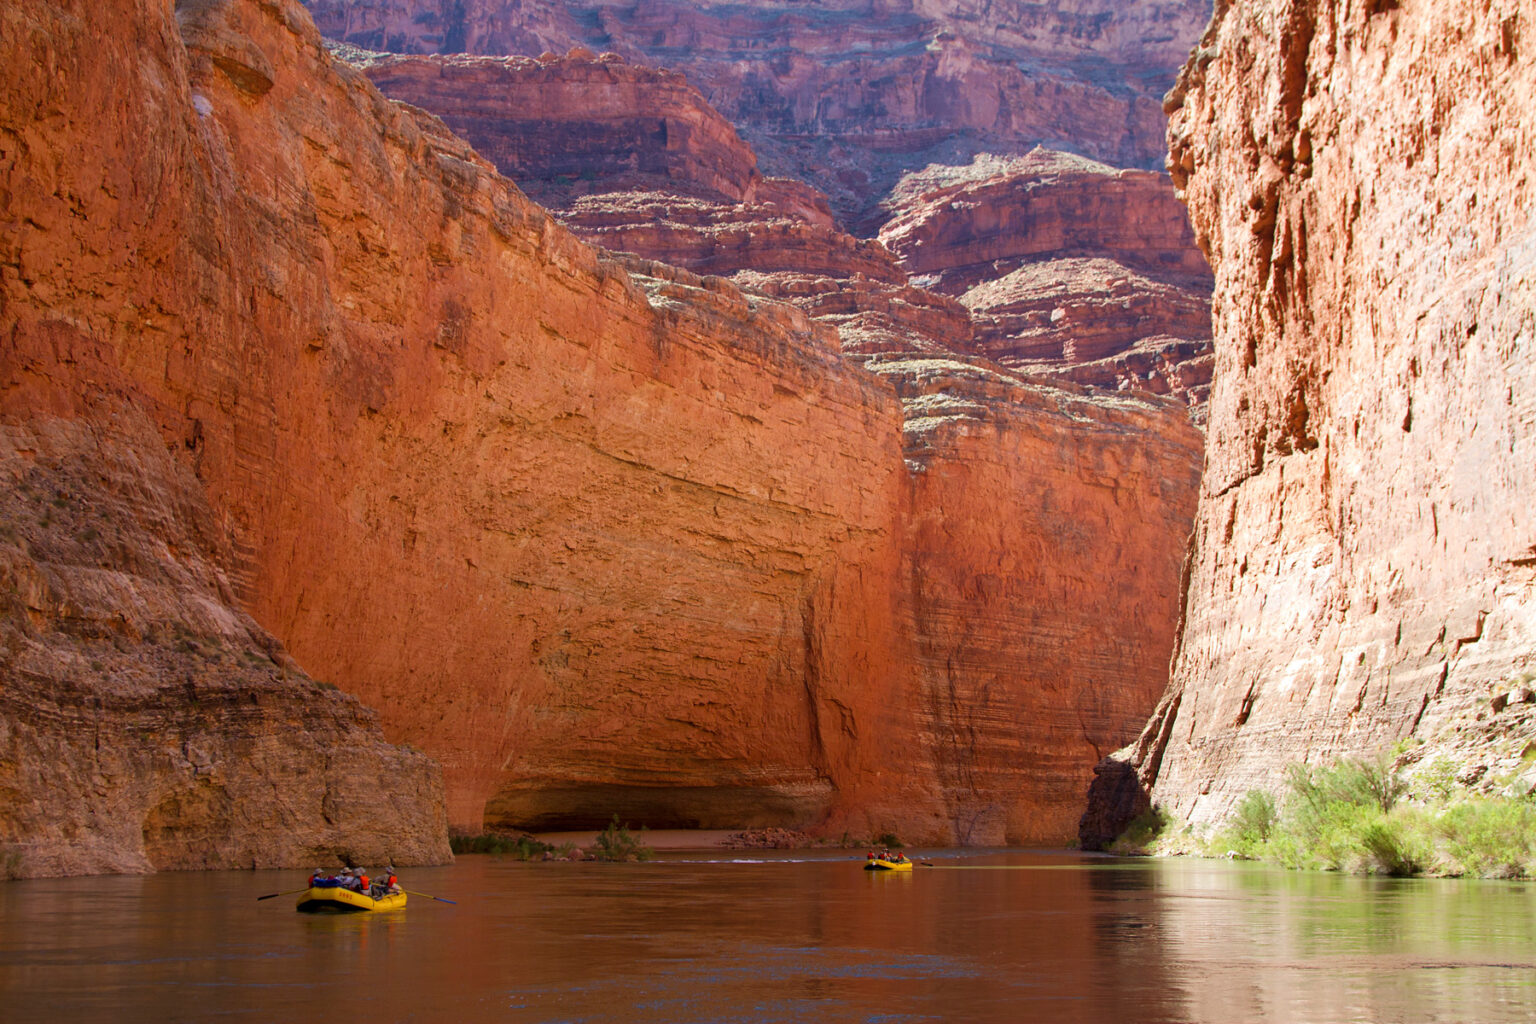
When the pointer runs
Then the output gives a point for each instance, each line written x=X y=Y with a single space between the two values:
x=999 y=937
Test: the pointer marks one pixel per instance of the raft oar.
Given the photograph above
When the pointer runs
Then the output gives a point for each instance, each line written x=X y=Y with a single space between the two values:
x=439 y=899
x=290 y=892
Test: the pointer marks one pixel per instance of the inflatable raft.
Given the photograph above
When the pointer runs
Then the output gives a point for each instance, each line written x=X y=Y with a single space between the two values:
x=337 y=899
x=881 y=864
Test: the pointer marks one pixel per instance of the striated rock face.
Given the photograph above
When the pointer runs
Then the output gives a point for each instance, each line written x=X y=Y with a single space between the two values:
x=1365 y=556
x=776 y=239
x=1068 y=267
x=145 y=721
x=1041 y=624
x=564 y=127
x=848 y=94
x=772 y=236
x=553 y=520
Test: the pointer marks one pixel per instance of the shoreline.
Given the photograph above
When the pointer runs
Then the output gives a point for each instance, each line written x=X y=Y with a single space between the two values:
x=695 y=839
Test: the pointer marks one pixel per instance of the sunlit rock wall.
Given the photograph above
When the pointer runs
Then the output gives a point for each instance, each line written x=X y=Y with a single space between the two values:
x=1365 y=557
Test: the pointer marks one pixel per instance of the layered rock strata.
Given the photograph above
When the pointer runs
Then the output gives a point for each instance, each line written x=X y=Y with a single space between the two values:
x=1068 y=267
x=772 y=236
x=849 y=94
x=1364 y=564
x=146 y=722
x=1039 y=627
x=564 y=127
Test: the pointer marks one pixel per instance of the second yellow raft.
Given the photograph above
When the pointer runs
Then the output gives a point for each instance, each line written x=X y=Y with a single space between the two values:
x=335 y=899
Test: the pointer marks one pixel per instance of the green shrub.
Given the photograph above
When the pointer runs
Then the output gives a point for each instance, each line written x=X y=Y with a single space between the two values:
x=617 y=843
x=888 y=840
x=1352 y=817
x=1392 y=847
x=1437 y=779
x=1374 y=783
x=1490 y=838
x=1247 y=830
x=1141 y=834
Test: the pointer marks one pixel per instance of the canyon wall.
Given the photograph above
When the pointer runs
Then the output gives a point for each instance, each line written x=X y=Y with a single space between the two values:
x=1048 y=263
x=1044 y=556
x=552 y=519
x=849 y=94
x=597 y=533
x=1020 y=685
x=1364 y=557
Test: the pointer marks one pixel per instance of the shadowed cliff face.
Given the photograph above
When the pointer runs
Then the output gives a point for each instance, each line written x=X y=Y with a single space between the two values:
x=849 y=94
x=1363 y=571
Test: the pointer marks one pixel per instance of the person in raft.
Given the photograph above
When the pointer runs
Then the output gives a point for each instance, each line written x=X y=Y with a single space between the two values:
x=384 y=886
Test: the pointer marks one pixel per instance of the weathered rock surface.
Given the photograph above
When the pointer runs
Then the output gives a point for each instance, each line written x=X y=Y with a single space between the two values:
x=1068 y=267
x=145 y=721
x=565 y=127
x=772 y=236
x=1365 y=556
x=848 y=94
x=775 y=238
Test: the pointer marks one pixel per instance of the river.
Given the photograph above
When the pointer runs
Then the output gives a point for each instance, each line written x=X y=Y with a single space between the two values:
x=807 y=936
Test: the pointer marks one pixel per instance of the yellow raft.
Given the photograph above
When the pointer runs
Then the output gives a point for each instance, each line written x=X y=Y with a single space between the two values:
x=335 y=899
x=881 y=864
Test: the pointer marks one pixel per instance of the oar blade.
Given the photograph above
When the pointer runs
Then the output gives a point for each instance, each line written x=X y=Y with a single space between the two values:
x=274 y=895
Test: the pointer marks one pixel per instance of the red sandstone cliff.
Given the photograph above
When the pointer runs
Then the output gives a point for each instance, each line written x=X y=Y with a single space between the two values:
x=1040 y=625
x=849 y=94
x=1362 y=177
x=1068 y=267
x=600 y=535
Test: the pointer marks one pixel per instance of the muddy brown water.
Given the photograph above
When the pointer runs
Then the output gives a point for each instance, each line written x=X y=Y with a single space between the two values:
x=722 y=937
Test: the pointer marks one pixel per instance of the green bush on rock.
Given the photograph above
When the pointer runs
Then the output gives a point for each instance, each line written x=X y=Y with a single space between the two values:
x=1359 y=816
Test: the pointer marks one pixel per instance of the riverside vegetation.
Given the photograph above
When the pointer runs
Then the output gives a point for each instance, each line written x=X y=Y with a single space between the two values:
x=1367 y=816
x=614 y=843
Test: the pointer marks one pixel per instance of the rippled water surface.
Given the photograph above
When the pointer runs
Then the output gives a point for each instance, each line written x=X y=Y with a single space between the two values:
x=794 y=937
